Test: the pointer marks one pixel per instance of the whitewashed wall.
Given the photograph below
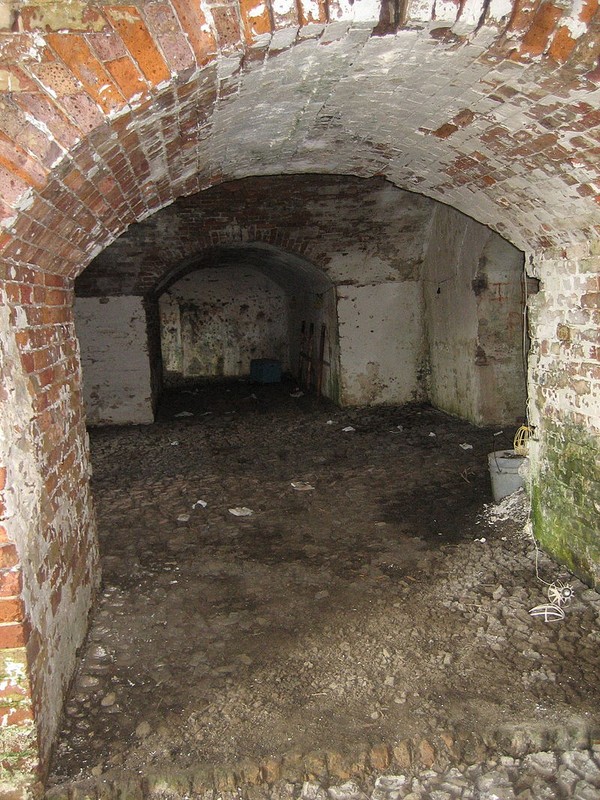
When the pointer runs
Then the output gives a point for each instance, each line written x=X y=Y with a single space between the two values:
x=215 y=321
x=114 y=354
x=474 y=321
x=381 y=342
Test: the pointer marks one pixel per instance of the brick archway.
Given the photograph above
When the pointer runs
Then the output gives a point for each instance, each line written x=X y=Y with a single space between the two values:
x=110 y=113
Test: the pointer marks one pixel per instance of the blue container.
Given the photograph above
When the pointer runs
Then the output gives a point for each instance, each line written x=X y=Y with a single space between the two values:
x=265 y=370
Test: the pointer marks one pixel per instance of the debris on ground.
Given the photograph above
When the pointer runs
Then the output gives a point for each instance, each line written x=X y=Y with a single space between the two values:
x=302 y=486
x=241 y=511
x=356 y=633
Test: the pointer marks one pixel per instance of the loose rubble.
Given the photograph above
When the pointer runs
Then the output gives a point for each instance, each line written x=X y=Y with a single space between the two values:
x=367 y=638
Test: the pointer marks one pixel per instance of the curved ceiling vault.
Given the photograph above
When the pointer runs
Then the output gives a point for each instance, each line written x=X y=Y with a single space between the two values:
x=303 y=217
x=290 y=272
x=110 y=113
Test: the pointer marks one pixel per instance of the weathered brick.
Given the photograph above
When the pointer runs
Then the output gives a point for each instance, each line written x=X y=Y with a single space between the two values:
x=193 y=21
x=228 y=27
x=168 y=34
x=12 y=634
x=256 y=16
x=8 y=556
x=11 y=609
x=537 y=37
x=128 y=22
x=10 y=582
x=76 y=54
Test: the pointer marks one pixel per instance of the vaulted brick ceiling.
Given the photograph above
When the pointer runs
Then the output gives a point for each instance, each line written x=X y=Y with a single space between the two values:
x=112 y=112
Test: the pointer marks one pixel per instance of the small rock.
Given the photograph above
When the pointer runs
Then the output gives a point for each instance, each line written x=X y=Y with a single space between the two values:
x=108 y=700
x=241 y=511
x=584 y=791
x=495 y=784
x=346 y=791
x=143 y=729
x=312 y=791
x=391 y=783
x=89 y=681
x=402 y=754
x=426 y=753
x=380 y=756
x=543 y=764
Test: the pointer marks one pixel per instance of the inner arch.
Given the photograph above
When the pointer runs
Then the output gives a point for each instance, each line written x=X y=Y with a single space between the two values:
x=367 y=313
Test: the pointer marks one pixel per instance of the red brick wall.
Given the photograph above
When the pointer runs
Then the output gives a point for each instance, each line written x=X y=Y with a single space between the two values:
x=565 y=408
x=49 y=568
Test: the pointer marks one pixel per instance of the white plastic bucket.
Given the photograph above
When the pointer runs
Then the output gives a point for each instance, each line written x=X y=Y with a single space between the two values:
x=504 y=472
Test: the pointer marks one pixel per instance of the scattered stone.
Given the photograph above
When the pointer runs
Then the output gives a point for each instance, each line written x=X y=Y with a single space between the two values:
x=302 y=486
x=380 y=757
x=143 y=729
x=211 y=635
x=89 y=681
x=312 y=791
x=347 y=791
x=402 y=754
x=108 y=700
x=426 y=753
x=166 y=782
x=271 y=770
x=241 y=511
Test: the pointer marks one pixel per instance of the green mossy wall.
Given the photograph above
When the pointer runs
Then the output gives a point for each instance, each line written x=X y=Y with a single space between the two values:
x=566 y=498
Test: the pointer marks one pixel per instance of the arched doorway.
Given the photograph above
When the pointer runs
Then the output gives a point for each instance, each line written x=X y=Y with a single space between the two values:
x=111 y=115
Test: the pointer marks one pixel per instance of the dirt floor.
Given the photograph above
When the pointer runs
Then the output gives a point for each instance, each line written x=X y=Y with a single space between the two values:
x=377 y=621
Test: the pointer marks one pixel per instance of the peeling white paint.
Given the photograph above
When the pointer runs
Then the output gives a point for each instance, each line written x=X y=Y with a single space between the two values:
x=574 y=22
x=499 y=9
x=381 y=342
x=310 y=9
x=257 y=11
x=16 y=674
x=469 y=17
x=420 y=10
x=362 y=10
x=474 y=339
x=283 y=7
